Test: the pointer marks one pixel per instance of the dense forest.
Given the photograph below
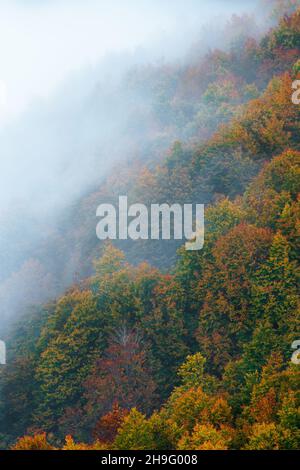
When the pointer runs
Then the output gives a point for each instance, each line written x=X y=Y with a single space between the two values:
x=153 y=346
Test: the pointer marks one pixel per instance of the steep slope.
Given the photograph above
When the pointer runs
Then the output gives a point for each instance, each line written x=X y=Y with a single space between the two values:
x=225 y=316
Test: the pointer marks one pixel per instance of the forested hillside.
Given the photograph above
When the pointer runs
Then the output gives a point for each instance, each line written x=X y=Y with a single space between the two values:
x=156 y=347
x=188 y=104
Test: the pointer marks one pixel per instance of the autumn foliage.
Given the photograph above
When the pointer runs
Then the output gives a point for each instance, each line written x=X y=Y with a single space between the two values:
x=197 y=356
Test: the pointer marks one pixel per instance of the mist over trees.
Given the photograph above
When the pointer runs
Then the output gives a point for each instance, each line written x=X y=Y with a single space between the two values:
x=123 y=112
x=144 y=345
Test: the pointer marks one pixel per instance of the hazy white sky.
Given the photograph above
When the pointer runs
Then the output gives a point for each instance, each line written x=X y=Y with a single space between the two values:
x=42 y=41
